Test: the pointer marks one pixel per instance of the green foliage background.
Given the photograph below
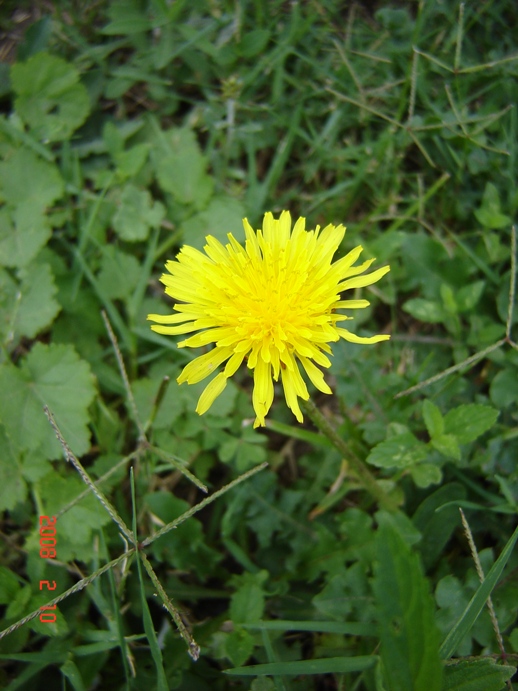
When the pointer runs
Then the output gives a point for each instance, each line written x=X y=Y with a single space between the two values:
x=130 y=127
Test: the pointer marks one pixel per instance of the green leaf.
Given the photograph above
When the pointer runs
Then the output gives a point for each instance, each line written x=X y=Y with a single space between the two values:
x=504 y=387
x=131 y=161
x=137 y=214
x=489 y=213
x=247 y=603
x=448 y=445
x=425 y=310
x=426 y=474
x=53 y=375
x=50 y=97
x=119 y=274
x=9 y=585
x=328 y=665
x=239 y=645
x=180 y=167
x=27 y=179
x=437 y=526
x=12 y=485
x=32 y=304
x=468 y=296
x=433 y=419
x=254 y=42
x=409 y=636
x=477 y=602
x=476 y=675
x=470 y=421
x=28 y=185
x=400 y=451
x=222 y=216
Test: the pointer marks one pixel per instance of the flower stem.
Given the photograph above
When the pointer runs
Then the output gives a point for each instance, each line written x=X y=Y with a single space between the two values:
x=364 y=475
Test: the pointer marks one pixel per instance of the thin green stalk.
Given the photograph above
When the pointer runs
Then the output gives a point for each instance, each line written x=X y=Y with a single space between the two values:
x=365 y=476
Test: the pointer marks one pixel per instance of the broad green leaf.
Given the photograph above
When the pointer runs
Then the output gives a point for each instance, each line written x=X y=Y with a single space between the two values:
x=184 y=546
x=399 y=523
x=24 y=230
x=28 y=185
x=504 y=387
x=489 y=213
x=55 y=376
x=433 y=419
x=400 y=451
x=119 y=273
x=180 y=167
x=27 y=179
x=254 y=42
x=409 y=637
x=437 y=526
x=137 y=214
x=247 y=603
x=469 y=421
x=448 y=445
x=131 y=161
x=476 y=675
x=468 y=296
x=30 y=305
x=49 y=96
x=425 y=310
x=426 y=474
x=75 y=528
x=9 y=585
x=239 y=645
x=477 y=602
x=328 y=665
x=222 y=216
x=12 y=485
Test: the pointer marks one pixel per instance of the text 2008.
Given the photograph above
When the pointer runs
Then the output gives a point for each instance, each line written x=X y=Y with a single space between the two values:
x=48 y=551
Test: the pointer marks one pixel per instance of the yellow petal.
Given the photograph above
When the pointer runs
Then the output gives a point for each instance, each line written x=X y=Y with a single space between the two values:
x=361 y=281
x=262 y=397
x=211 y=392
x=353 y=338
x=315 y=375
x=202 y=366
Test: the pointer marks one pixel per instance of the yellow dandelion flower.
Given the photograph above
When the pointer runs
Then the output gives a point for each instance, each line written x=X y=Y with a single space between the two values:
x=272 y=302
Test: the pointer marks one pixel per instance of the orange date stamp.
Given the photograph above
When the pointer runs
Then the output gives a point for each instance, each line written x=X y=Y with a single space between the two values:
x=48 y=543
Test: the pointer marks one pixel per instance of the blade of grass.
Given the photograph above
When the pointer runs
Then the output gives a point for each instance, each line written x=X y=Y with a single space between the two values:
x=477 y=602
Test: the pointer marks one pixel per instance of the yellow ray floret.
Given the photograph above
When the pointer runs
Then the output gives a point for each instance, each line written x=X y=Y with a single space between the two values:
x=272 y=302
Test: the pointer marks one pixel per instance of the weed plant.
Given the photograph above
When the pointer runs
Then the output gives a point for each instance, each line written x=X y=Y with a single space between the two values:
x=183 y=561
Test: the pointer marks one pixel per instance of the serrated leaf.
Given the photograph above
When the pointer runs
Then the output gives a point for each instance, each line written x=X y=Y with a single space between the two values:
x=433 y=419
x=53 y=375
x=27 y=179
x=448 y=445
x=409 y=636
x=28 y=185
x=50 y=97
x=137 y=214
x=401 y=451
x=476 y=675
x=470 y=421
x=425 y=310
x=36 y=308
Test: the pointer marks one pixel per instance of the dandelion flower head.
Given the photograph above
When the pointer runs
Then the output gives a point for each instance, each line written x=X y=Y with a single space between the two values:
x=272 y=302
